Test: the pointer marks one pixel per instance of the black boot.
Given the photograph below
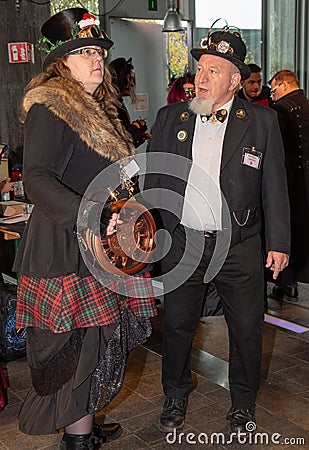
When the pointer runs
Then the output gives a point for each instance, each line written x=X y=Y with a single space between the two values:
x=107 y=431
x=80 y=442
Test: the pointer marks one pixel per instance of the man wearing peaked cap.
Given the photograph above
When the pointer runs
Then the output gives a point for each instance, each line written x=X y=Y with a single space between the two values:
x=233 y=166
x=227 y=45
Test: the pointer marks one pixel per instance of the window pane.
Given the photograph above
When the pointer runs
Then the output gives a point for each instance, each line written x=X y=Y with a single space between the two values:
x=247 y=16
x=280 y=36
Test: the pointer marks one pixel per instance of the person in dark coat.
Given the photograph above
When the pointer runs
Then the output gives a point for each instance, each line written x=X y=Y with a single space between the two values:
x=292 y=107
x=215 y=172
x=252 y=89
x=72 y=133
x=123 y=74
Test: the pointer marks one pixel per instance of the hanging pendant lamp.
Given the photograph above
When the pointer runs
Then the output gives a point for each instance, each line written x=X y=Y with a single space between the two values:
x=172 y=21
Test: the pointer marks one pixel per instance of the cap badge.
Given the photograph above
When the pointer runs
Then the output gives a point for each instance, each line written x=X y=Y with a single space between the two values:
x=224 y=47
x=182 y=135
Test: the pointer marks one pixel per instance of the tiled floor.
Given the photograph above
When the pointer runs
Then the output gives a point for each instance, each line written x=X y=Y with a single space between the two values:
x=282 y=405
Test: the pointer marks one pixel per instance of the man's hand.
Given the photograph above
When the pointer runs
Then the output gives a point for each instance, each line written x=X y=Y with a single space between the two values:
x=276 y=262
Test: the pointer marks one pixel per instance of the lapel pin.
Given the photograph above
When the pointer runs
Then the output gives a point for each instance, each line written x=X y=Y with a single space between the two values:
x=241 y=113
x=184 y=116
x=182 y=135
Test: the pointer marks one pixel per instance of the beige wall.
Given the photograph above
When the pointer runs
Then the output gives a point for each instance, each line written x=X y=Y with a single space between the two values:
x=4 y=169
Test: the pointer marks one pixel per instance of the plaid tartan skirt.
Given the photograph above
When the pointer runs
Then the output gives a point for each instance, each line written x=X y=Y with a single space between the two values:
x=65 y=303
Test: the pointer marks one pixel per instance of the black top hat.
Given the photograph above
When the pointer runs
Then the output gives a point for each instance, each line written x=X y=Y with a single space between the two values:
x=227 y=45
x=71 y=29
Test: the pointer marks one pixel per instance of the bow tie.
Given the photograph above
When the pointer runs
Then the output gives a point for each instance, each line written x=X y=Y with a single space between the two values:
x=215 y=116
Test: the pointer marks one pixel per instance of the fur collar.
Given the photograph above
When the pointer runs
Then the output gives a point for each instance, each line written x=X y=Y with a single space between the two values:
x=84 y=115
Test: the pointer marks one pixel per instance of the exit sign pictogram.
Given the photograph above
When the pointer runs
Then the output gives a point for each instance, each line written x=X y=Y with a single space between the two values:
x=152 y=5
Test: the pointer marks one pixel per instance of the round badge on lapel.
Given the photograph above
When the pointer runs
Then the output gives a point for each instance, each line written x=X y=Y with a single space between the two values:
x=241 y=113
x=184 y=116
x=182 y=135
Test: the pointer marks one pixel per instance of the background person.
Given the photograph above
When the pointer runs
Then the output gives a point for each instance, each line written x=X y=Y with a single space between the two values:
x=292 y=107
x=181 y=89
x=72 y=133
x=253 y=89
x=123 y=74
x=244 y=158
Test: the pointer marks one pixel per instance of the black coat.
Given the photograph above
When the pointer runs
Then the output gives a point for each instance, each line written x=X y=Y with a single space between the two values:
x=69 y=140
x=55 y=181
x=293 y=116
x=252 y=195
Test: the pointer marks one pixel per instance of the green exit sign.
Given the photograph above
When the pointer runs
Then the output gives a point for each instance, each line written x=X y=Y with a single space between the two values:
x=152 y=5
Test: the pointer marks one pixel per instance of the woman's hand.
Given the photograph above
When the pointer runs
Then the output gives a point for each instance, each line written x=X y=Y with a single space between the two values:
x=111 y=227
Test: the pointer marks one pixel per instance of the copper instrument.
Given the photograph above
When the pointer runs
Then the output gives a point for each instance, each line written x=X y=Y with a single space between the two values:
x=128 y=250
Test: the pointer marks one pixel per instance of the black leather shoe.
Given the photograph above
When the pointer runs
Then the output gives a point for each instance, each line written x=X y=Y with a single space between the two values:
x=108 y=431
x=173 y=414
x=288 y=292
x=241 y=420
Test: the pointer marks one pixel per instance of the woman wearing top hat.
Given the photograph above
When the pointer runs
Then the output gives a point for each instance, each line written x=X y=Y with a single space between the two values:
x=72 y=133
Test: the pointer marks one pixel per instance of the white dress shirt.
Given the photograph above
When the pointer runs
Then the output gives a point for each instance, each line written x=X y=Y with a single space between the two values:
x=202 y=202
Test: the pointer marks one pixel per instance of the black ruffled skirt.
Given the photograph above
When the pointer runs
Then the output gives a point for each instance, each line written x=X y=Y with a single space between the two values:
x=78 y=372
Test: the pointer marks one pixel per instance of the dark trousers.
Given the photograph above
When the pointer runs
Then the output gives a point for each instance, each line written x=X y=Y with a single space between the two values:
x=240 y=285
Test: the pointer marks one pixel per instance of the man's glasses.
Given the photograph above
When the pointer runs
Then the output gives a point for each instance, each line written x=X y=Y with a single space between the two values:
x=89 y=52
x=273 y=90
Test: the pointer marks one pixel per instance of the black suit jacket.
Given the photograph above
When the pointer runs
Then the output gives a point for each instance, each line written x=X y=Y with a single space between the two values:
x=254 y=194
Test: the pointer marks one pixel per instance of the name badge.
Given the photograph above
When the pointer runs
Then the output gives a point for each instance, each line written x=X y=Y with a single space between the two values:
x=132 y=168
x=251 y=157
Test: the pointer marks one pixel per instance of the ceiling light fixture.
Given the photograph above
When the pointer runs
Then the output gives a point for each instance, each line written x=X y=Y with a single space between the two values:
x=172 y=21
